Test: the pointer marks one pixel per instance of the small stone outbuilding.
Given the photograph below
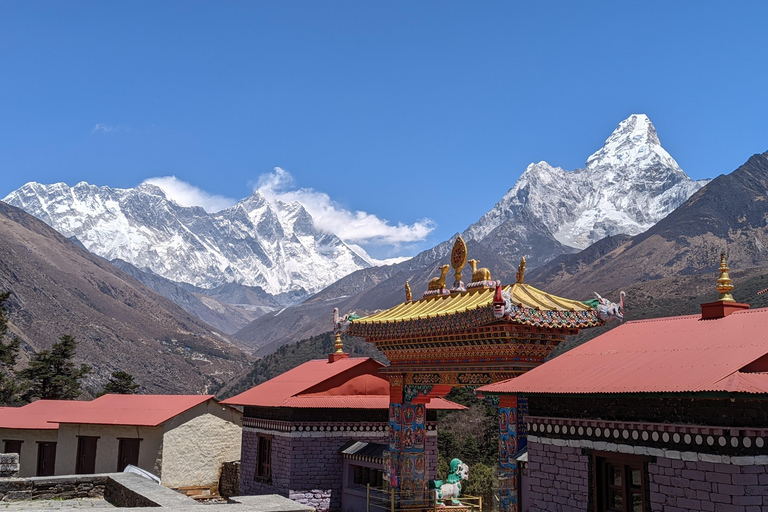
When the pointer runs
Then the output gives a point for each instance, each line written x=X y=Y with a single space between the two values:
x=183 y=439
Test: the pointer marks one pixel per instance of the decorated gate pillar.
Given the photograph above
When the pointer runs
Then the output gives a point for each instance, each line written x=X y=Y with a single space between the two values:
x=407 y=464
x=512 y=439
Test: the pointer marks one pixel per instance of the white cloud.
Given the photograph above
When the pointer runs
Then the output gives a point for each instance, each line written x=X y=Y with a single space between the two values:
x=355 y=227
x=105 y=128
x=189 y=195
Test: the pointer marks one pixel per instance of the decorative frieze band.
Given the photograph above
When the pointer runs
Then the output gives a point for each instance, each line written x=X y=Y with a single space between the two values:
x=319 y=429
x=667 y=436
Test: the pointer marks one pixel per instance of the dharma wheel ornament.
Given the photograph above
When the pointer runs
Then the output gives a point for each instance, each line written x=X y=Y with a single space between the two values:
x=458 y=260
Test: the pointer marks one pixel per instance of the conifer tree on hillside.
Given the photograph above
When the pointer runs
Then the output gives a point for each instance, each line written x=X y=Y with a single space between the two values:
x=9 y=352
x=52 y=375
x=120 y=383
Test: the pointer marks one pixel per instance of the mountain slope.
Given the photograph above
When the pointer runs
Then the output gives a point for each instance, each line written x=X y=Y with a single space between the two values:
x=58 y=288
x=257 y=243
x=227 y=318
x=730 y=214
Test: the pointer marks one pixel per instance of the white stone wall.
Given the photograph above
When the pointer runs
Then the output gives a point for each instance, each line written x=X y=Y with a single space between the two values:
x=197 y=442
x=107 y=447
x=30 y=438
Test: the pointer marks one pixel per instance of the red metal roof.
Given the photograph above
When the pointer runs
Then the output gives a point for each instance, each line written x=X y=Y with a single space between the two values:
x=134 y=410
x=351 y=383
x=36 y=416
x=674 y=354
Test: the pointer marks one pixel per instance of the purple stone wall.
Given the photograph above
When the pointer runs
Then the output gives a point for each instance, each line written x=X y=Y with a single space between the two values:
x=683 y=486
x=316 y=469
x=281 y=469
x=558 y=478
x=558 y=481
x=305 y=469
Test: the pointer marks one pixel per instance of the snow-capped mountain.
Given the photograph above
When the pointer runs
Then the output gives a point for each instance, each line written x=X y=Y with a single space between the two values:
x=256 y=242
x=626 y=187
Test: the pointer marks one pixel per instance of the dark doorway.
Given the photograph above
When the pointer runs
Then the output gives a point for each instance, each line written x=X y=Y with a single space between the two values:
x=12 y=446
x=46 y=459
x=128 y=452
x=86 y=455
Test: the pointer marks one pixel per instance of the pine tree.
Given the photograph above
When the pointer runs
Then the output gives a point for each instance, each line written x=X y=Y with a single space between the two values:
x=9 y=352
x=51 y=374
x=120 y=383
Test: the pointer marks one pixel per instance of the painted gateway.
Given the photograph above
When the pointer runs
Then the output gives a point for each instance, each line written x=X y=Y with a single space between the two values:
x=466 y=335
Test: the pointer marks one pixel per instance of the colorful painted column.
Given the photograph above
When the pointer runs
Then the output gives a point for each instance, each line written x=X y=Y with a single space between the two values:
x=508 y=447
x=393 y=459
x=413 y=442
x=406 y=462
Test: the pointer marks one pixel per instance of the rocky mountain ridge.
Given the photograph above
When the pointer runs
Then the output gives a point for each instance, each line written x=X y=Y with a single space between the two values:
x=274 y=246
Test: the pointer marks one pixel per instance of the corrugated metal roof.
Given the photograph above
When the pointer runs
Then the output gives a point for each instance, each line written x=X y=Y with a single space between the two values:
x=351 y=383
x=274 y=392
x=664 y=355
x=36 y=416
x=134 y=410
x=363 y=449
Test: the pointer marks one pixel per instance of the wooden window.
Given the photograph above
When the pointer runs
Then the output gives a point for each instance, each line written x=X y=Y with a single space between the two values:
x=86 y=455
x=620 y=483
x=12 y=446
x=264 y=462
x=362 y=476
x=46 y=458
x=128 y=452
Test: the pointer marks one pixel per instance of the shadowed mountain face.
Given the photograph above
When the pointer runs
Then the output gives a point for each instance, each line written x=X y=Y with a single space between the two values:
x=728 y=215
x=58 y=288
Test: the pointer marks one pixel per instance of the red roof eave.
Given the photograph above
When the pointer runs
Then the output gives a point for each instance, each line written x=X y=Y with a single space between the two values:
x=666 y=355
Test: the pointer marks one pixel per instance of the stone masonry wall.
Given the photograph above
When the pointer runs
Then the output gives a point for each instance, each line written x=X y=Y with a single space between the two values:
x=9 y=465
x=281 y=469
x=558 y=481
x=558 y=478
x=317 y=469
x=688 y=486
x=52 y=487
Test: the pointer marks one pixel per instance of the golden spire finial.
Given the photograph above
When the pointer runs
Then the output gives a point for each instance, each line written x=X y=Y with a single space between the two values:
x=521 y=271
x=408 y=296
x=724 y=284
x=338 y=344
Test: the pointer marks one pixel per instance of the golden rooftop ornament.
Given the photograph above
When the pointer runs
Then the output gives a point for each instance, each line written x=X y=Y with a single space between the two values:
x=724 y=284
x=407 y=292
x=338 y=344
x=521 y=271
x=458 y=258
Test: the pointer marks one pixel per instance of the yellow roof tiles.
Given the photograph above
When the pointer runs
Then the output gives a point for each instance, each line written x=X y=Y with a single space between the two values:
x=522 y=295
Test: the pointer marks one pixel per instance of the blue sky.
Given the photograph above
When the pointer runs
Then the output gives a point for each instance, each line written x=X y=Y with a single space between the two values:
x=389 y=112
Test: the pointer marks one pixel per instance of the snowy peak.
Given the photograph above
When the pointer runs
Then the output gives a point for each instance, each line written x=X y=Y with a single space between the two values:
x=627 y=186
x=633 y=144
x=255 y=242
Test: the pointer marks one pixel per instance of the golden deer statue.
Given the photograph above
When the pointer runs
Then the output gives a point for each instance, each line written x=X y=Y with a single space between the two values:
x=438 y=283
x=479 y=274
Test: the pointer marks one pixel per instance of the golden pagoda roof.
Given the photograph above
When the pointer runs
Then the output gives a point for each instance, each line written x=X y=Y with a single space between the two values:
x=458 y=311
